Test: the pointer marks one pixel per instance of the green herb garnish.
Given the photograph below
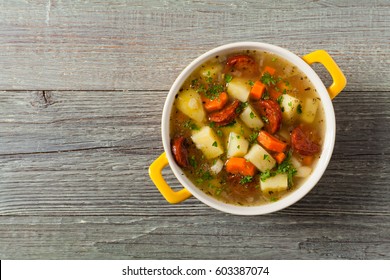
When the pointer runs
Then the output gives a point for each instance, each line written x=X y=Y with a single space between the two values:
x=265 y=119
x=285 y=167
x=218 y=191
x=299 y=109
x=280 y=99
x=230 y=124
x=252 y=115
x=241 y=108
x=214 y=91
x=193 y=162
x=246 y=179
x=189 y=124
x=228 y=78
x=265 y=175
x=268 y=79
x=215 y=144
x=253 y=137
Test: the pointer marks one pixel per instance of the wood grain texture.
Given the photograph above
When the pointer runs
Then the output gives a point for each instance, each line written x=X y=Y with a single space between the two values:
x=84 y=84
x=220 y=236
x=138 y=45
x=87 y=195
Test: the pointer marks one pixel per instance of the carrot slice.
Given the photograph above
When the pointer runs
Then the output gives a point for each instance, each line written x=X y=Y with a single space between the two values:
x=279 y=157
x=257 y=90
x=236 y=165
x=215 y=104
x=273 y=94
x=307 y=160
x=270 y=142
x=283 y=87
x=270 y=70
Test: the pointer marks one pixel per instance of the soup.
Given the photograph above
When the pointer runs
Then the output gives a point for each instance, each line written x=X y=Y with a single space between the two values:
x=247 y=128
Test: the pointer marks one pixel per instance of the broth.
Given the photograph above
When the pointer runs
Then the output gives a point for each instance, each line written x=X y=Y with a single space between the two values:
x=247 y=128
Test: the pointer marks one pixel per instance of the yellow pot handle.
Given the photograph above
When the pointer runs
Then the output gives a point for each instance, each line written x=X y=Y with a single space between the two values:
x=339 y=80
x=155 y=173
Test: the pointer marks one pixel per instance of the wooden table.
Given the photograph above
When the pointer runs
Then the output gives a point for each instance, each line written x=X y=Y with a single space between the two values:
x=83 y=84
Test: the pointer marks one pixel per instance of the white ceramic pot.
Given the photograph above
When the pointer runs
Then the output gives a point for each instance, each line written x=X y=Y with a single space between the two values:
x=326 y=94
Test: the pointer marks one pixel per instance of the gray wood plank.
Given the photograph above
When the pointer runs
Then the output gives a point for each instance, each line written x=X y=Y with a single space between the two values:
x=74 y=162
x=220 y=236
x=139 y=45
x=87 y=153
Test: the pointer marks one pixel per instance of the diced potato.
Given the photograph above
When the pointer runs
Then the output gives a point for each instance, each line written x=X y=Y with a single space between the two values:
x=208 y=142
x=260 y=158
x=238 y=128
x=276 y=183
x=303 y=171
x=189 y=102
x=239 y=89
x=251 y=119
x=237 y=145
x=309 y=109
x=295 y=162
x=211 y=72
x=285 y=134
x=289 y=105
x=217 y=166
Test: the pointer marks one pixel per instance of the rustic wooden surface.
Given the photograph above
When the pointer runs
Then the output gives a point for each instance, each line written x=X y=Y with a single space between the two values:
x=82 y=86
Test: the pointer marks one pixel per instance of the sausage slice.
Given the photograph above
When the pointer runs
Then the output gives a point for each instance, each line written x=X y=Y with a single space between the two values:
x=179 y=151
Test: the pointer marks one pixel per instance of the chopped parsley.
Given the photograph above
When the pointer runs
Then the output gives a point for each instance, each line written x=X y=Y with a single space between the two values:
x=228 y=78
x=189 y=124
x=265 y=119
x=289 y=104
x=205 y=176
x=285 y=167
x=299 y=109
x=252 y=115
x=238 y=147
x=265 y=95
x=274 y=59
x=265 y=175
x=218 y=191
x=266 y=157
x=268 y=79
x=253 y=137
x=194 y=82
x=219 y=133
x=251 y=83
x=230 y=124
x=215 y=144
x=193 y=162
x=214 y=91
x=212 y=124
x=246 y=179
x=280 y=99
x=242 y=106
x=273 y=199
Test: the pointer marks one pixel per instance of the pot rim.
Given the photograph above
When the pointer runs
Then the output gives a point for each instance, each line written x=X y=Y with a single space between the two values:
x=328 y=144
